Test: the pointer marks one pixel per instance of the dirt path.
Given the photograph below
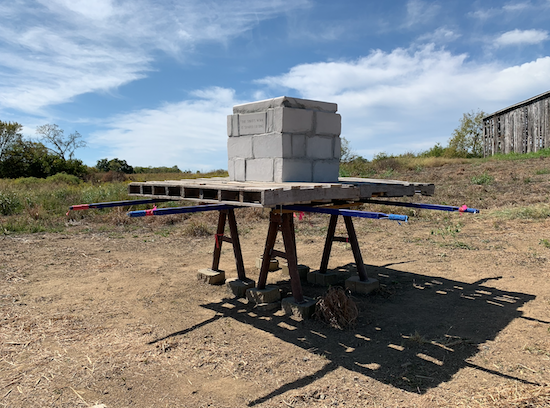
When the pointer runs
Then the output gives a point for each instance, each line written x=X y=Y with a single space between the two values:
x=119 y=319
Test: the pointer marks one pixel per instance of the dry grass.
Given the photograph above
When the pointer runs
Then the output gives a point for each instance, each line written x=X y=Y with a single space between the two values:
x=518 y=396
x=337 y=309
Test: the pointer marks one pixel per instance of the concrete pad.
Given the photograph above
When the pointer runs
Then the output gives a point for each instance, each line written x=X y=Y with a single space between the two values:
x=305 y=310
x=267 y=307
x=356 y=285
x=273 y=264
x=270 y=294
x=238 y=287
x=303 y=271
x=211 y=276
x=327 y=279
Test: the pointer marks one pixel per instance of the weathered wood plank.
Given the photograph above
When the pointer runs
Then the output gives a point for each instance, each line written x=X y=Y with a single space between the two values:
x=257 y=194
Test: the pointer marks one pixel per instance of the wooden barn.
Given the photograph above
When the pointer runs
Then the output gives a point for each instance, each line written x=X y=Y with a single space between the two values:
x=520 y=128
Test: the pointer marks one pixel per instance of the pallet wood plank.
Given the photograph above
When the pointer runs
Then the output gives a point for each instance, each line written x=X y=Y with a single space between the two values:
x=263 y=194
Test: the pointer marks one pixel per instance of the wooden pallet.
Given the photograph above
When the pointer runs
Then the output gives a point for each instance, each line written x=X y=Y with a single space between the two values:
x=258 y=194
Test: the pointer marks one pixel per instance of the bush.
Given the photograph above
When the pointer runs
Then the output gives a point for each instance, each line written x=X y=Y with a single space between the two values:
x=9 y=203
x=64 y=178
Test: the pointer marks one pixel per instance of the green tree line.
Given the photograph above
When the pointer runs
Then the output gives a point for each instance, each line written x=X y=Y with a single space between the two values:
x=20 y=157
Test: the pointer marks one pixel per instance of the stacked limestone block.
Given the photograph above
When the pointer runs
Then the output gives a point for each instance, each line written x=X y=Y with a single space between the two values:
x=284 y=139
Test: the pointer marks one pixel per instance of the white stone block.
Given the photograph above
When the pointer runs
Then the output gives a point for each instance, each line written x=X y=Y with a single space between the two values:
x=272 y=145
x=240 y=169
x=319 y=147
x=296 y=120
x=252 y=123
x=231 y=168
x=298 y=146
x=287 y=170
x=259 y=169
x=239 y=147
x=337 y=147
x=285 y=101
x=326 y=171
x=232 y=125
x=229 y=125
x=328 y=123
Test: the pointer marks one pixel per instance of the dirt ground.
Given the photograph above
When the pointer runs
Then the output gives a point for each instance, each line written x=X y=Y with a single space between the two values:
x=118 y=319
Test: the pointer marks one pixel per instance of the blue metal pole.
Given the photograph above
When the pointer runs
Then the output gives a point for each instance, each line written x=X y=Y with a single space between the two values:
x=115 y=204
x=424 y=206
x=179 y=210
x=348 y=213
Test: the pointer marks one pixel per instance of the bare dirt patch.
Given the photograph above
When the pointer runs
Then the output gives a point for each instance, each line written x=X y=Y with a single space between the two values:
x=118 y=318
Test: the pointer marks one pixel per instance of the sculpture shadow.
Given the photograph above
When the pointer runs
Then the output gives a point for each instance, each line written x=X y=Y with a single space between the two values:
x=416 y=332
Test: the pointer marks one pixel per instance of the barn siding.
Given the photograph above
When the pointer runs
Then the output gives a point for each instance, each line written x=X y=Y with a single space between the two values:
x=521 y=128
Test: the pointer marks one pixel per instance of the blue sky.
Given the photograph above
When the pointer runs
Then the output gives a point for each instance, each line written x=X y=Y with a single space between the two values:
x=152 y=82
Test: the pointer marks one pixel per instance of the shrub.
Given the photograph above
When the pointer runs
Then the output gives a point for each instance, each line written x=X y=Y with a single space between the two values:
x=9 y=203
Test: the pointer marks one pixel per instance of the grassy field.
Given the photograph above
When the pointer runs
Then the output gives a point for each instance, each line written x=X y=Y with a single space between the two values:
x=100 y=308
x=505 y=187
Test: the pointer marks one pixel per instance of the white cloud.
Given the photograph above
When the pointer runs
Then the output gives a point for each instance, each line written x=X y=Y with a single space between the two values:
x=420 y=12
x=191 y=134
x=519 y=37
x=53 y=50
x=409 y=99
x=404 y=100
x=515 y=7
x=440 y=36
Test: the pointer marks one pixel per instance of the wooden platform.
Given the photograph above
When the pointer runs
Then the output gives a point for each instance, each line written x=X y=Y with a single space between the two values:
x=264 y=194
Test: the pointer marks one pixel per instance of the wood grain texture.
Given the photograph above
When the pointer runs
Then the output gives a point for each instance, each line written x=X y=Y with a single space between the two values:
x=521 y=128
x=258 y=194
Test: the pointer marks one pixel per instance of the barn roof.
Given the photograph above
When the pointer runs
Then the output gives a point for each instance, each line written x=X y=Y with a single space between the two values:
x=520 y=104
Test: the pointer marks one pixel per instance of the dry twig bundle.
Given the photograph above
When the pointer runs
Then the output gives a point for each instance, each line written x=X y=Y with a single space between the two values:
x=337 y=309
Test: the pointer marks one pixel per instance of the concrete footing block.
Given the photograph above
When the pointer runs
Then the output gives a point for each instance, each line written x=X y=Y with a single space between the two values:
x=211 y=276
x=267 y=307
x=305 y=310
x=273 y=263
x=327 y=279
x=270 y=294
x=358 y=286
x=303 y=271
x=239 y=287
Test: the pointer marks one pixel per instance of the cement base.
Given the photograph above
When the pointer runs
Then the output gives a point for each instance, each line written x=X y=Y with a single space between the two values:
x=327 y=279
x=238 y=287
x=358 y=286
x=267 y=307
x=270 y=294
x=303 y=270
x=211 y=276
x=304 y=310
x=273 y=264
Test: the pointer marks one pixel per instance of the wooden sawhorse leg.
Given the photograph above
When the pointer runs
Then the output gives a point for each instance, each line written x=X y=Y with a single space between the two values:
x=228 y=215
x=285 y=223
x=352 y=239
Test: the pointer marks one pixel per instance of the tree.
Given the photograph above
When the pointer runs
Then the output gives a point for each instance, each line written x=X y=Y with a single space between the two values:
x=346 y=154
x=467 y=139
x=10 y=133
x=61 y=145
x=116 y=165
x=32 y=159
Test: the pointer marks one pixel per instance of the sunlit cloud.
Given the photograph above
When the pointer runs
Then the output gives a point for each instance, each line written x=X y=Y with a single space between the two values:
x=420 y=12
x=409 y=99
x=54 y=50
x=521 y=37
x=191 y=134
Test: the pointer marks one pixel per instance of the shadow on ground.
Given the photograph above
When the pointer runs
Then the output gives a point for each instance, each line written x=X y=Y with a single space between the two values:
x=415 y=333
